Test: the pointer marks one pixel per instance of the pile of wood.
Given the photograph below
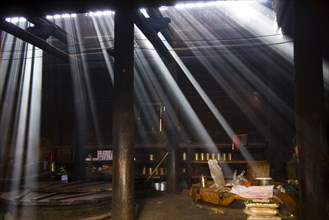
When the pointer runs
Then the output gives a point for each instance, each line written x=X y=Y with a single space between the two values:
x=261 y=209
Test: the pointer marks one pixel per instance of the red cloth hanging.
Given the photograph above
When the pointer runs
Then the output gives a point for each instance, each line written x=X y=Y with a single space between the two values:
x=236 y=142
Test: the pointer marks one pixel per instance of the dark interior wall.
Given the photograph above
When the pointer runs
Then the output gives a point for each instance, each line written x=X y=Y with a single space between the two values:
x=58 y=103
x=234 y=90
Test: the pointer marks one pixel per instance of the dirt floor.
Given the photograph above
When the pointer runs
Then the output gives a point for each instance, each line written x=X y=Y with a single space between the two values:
x=164 y=206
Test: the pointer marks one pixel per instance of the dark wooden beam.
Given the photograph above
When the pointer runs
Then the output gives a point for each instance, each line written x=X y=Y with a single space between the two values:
x=172 y=124
x=32 y=39
x=56 y=32
x=155 y=13
x=151 y=35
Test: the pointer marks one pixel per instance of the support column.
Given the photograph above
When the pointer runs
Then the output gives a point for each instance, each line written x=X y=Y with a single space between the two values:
x=280 y=112
x=171 y=122
x=311 y=134
x=80 y=120
x=123 y=116
x=79 y=151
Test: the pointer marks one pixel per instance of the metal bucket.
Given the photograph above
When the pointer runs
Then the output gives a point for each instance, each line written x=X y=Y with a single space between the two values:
x=264 y=181
x=157 y=186
x=259 y=169
x=163 y=186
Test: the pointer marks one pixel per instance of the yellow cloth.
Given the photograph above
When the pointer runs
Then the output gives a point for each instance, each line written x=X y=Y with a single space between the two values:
x=212 y=195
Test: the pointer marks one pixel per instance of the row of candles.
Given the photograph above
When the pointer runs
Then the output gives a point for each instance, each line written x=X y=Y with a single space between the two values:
x=213 y=156
x=158 y=171
x=205 y=156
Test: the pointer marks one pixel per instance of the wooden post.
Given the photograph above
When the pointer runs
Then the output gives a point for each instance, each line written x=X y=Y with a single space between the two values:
x=311 y=134
x=172 y=166
x=79 y=149
x=171 y=122
x=280 y=113
x=123 y=116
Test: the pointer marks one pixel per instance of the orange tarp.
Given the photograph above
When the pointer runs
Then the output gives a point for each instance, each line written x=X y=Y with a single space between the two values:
x=212 y=195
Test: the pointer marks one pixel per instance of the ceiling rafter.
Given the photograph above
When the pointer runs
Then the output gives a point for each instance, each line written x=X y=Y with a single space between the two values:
x=54 y=30
x=147 y=29
x=34 y=40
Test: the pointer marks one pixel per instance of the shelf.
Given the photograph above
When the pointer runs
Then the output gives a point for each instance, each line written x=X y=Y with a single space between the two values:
x=154 y=177
x=156 y=151
x=199 y=145
x=99 y=147
x=98 y=173
x=229 y=161
x=150 y=163
x=209 y=177
x=98 y=161
x=150 y=146
x=226 y=145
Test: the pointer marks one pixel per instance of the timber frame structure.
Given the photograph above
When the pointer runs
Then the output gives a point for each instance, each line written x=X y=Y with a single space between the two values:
x=309 y=90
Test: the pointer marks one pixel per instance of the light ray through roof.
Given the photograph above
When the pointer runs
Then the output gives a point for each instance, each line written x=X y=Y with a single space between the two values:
x=10 y=100
x=34 y=120
x=105 y=24
x=173 y=93
x=170 y=94
x=226 y=15
x=21 y=119
x=85 y=107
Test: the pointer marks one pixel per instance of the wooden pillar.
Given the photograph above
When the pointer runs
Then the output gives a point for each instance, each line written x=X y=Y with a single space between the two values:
x=280 y=112
x=79 y=150
x=171 y=122
x=311 y=134
x=172 y=166
x=123 y=116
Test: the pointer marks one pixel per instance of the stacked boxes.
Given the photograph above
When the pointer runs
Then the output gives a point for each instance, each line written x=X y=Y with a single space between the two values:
x=262 y=209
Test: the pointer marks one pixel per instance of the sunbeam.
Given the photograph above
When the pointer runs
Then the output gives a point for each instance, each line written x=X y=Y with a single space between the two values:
x=21 y=109
x=174 y=94
x=129 y=101
x=169 y=94
x=226 y=13
x=104 y=24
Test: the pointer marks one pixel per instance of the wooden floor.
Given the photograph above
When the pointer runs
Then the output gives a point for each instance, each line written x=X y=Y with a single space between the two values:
x=56 y=200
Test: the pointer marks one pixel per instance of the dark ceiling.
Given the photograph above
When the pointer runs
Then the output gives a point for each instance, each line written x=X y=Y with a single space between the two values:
x=283 y=8
x=43 y=7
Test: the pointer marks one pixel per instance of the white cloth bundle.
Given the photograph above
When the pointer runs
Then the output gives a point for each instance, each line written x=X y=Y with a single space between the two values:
x=253 y=191
x=217 y=175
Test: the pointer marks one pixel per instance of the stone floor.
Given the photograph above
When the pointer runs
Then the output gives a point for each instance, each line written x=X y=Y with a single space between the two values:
x=164 y=206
